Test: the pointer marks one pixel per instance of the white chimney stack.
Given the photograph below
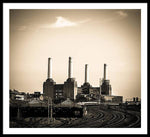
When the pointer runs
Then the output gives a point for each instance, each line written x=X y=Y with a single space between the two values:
x=69 y=68
x=49 y=68
x=86 y=73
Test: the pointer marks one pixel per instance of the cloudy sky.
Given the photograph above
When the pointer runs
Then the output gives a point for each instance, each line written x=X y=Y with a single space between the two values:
x=92 y=37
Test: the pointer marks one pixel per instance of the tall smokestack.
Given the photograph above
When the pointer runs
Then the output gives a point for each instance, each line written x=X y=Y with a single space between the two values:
x=105 y=71
x=69 y=68
x=86 y=71
x=49 y=68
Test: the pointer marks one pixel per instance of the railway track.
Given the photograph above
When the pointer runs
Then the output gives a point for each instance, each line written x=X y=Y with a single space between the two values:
x=118 y=119
x=136 y=122
x=108 y=119
x=89 y=122
x=96 y=118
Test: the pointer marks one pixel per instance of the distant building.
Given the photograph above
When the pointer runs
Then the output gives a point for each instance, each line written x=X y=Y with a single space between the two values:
x=12 y=94
x=114 y=99
x=37 y=94
x=70 y=90
x=55 y=91
x=16 y=95
x=19 y=97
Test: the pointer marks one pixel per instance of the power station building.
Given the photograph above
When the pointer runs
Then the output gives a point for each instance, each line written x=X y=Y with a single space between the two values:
x=103 y=92
x=70 y=90
x=103 y=89
x=55 y=91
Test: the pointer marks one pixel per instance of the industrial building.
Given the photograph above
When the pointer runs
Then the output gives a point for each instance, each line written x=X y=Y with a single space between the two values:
x=84 y=93
x=103 y=89
x=55 y=91
x=104 y=92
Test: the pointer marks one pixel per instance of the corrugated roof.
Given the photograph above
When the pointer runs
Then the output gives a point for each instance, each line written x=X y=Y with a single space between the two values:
x=68 y=103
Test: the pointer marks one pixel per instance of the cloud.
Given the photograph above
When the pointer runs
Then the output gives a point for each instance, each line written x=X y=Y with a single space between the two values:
x=115 y=16
x=83 y=21
x=62 y=22
x=21 y=28
x=121 y=13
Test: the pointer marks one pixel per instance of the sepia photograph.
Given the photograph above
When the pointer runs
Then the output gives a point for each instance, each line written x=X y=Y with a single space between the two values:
x=75 y=68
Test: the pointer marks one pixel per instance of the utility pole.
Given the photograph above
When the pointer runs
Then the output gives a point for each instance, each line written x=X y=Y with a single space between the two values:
x=50 y=114
x=18 y=114
x=48 y=110
x=100 y=82
x=51 y=110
